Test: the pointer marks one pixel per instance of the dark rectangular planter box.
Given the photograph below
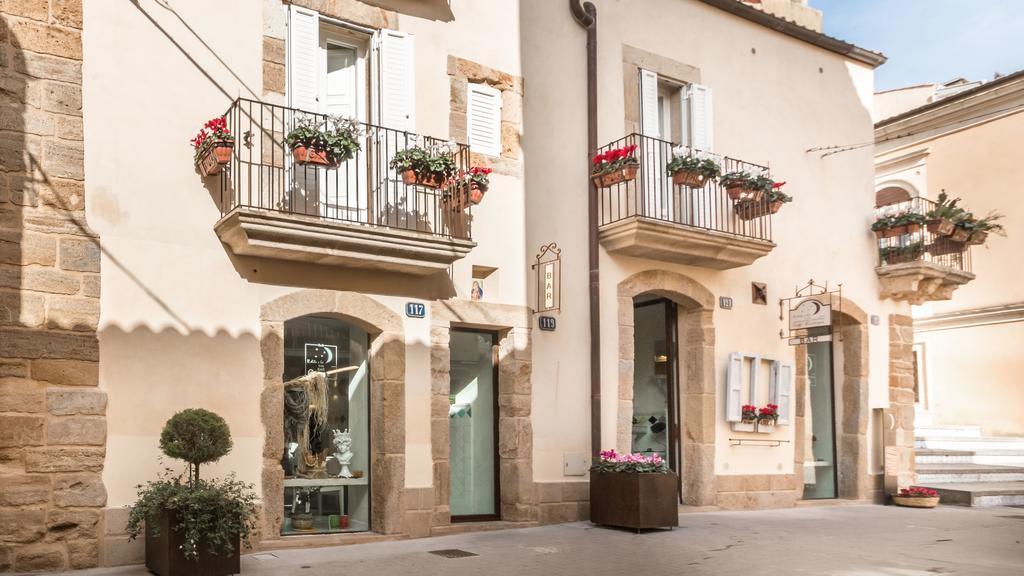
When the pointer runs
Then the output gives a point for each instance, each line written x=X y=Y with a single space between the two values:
x=632 y=500
x=165 y=557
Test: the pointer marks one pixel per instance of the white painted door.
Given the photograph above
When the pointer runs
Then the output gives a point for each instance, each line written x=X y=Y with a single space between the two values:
x=343 y=191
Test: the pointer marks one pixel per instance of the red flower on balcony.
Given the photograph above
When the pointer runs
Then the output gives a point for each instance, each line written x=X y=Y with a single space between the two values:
x=614 y=159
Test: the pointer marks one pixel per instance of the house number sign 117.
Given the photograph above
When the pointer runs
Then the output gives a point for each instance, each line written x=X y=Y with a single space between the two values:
x=415 y=310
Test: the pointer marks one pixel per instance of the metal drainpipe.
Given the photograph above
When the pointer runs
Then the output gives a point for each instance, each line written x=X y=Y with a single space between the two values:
x=586 y=16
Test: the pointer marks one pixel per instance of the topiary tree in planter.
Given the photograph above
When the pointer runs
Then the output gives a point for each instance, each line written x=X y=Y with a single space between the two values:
x=194 y=526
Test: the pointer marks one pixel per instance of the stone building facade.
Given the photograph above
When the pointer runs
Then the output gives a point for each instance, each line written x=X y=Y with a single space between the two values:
x=52 y=414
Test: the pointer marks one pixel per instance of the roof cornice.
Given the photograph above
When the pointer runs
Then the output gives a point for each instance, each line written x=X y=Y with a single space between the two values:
x=794 y=30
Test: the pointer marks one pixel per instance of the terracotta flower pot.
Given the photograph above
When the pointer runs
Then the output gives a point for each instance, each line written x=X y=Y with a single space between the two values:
x=624 y=174
x=304 y=155
x=688 y=178
x=916 y=501
x=940 y=226
x=977 y=238
x=476 y=193
x=215 y=157
x=751 y=209
x=960 y=235
x=913 y=228
x=740 y=192
x=429 y=180
x=893 y=232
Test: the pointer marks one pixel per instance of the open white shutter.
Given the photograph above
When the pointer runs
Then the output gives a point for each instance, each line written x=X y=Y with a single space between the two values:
x=483 y=121
x=701 y=118
x=782 y=390
x=303 y=59
x=734 y=389
x=394 y=79
x=649 y=122
x=684 y=116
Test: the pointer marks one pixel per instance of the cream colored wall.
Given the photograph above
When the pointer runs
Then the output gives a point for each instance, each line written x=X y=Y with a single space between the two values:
x=974 y=373
x=823 y=235
x=893 y=102
x=180 y=314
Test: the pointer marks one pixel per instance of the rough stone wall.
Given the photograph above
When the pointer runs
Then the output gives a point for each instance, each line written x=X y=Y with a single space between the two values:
x=52 y=424
x=901 y=394
x=757 y=491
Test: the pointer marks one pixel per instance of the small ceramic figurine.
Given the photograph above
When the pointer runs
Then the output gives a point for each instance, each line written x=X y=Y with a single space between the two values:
x=343 y=451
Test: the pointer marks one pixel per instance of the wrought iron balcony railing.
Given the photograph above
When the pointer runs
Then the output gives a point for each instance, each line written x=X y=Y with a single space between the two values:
x=363 y=190
x=919 y=241
x=652 y=194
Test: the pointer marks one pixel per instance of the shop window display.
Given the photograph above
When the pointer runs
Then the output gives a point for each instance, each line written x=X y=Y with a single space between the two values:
x=326 y=427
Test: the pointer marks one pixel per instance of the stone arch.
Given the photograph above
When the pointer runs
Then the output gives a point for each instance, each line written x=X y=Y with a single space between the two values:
x=387 y=400
x=894 y=192
x=697 y=386
x=851 y=387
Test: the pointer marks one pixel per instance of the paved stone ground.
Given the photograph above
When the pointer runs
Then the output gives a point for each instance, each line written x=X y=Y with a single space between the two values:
x=842 y=540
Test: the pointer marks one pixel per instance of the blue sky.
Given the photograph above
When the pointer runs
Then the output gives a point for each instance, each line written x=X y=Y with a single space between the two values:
x=931 y=40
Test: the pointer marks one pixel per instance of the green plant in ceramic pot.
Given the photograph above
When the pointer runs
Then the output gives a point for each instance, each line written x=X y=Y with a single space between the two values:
x=193 y=525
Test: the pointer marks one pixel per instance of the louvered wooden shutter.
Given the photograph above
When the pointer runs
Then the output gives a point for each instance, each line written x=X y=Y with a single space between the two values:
x=701 y=116
x=782 y=390
x=734 y=389
x=649 y=122
x=395 y=81
x=303 y=59
x=484 y=119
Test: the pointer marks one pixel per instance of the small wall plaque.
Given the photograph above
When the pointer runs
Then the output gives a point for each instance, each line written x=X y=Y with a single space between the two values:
x=725 y=302
x=415 y=310
x=546 y=323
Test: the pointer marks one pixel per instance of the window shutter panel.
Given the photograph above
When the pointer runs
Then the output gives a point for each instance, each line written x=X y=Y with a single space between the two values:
x=649 y=125
x=684 y=116
x=394 y=78
x=483 y=119
x=701 y=118
x=734 y=389
x=303 y=59
x=783 y=390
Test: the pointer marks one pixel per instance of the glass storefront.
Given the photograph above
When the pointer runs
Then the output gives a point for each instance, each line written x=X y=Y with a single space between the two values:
x=819 y=445
x=472 y=416
x=326 y=427
x=654 y=379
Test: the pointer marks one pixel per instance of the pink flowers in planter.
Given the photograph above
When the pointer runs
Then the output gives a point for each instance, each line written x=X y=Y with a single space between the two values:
x=612 y=461
x=917 y=492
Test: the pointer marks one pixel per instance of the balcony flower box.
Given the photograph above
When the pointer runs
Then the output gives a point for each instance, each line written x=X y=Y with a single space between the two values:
x=213 y=146
x=977 y=238
x=691 y=169
x=916 y=498
x=475 y=183
x=940 y=226
x=633 y=491
x=960 y=235
x=615 y=166
x=893 y=226
x=900 y=254
x=744 y=186
x=770 y=204
x=324 y=140
x=431 y=165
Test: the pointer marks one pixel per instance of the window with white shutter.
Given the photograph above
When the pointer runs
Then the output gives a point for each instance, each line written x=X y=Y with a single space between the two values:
x=781 y=392
x=394 y=104
x=734 y=389
x=483 y=119
x=649 y=120
x=701 y=115
x=303 y=59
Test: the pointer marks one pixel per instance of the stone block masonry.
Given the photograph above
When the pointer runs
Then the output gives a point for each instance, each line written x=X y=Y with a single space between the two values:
x=52 y=413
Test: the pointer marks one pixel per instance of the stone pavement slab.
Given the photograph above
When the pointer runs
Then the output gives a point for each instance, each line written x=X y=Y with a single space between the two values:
x=843 y=540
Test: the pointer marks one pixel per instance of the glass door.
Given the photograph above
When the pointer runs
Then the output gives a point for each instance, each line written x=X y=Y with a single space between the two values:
x=655 y=418
x=820 y=443
x=473 y=426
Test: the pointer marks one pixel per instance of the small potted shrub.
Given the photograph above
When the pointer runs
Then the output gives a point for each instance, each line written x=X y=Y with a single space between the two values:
x=690 y=169
x=744 y=186
x=767 y=417
x=941 y=219
x=633 y=491
x=194 y=526
x=916 y=498
x=980 y=229
x=748 y=419
x=615 y=166
x=477 y=180
x=431 y=166
x=213 y=145
x=325 y=141
x=771 y=203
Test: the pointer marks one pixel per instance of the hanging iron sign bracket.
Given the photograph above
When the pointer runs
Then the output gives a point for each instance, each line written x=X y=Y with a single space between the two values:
x=548 y=267
x=811 y=311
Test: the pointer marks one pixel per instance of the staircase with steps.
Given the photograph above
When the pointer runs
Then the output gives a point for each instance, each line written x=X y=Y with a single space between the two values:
x=969 y=469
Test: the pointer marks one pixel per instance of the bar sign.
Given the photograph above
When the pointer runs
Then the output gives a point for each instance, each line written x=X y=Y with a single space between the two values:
x=415 y=310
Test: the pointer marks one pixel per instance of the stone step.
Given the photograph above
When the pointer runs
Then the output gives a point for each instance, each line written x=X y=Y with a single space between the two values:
x=993 y=457
x=965 y=443
x=979 y=493
x=961 y=473
x=948 y=431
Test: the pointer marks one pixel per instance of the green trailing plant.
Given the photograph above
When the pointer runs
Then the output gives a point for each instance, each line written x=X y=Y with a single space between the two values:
x=210 y=513
x=337 y=136
x=746 y=180
x=897 y=254
x=986 y=224
x=897 y=220
x=701 y=164
x=775 y=193
x=946 y=209
x=437 y=159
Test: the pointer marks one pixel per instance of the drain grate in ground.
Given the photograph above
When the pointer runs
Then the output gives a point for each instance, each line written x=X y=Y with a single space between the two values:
x=452 y=553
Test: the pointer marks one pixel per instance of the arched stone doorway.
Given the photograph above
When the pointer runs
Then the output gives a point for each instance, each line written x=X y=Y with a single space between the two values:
x=387 y=400
x=852 y=408
x=697 y=386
